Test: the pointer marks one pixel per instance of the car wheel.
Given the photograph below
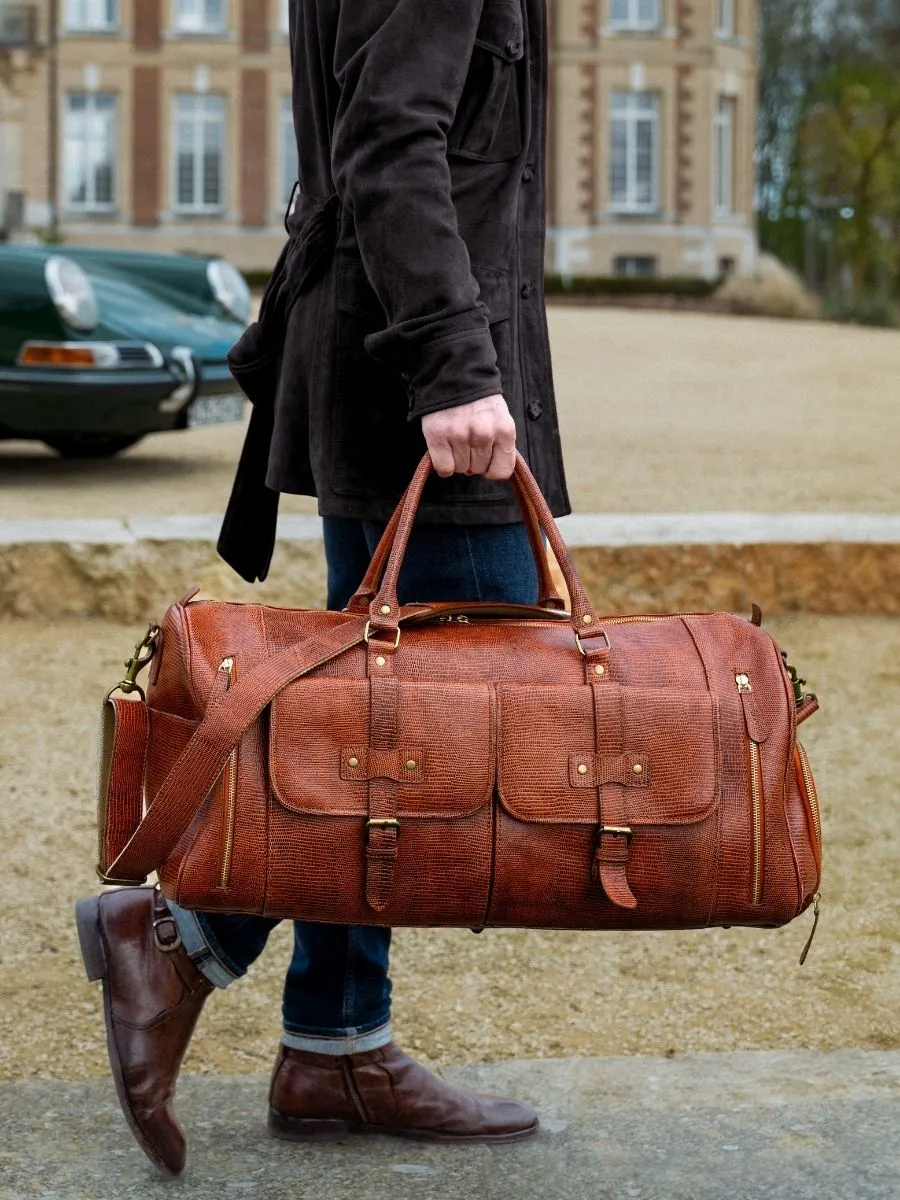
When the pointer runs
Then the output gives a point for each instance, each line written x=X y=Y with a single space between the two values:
x=90 y=445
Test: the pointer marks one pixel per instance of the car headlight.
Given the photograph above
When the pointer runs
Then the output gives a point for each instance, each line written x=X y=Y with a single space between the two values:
x=230 y=288
x=72 y=292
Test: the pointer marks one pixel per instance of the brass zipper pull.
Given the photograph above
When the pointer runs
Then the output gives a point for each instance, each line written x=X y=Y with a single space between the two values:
x=227 y=665
x=817 y=899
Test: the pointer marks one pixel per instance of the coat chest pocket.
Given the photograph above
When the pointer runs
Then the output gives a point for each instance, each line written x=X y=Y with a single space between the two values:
x=489 y=121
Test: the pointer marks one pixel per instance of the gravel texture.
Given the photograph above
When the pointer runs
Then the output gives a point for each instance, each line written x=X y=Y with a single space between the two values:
x=461 y=998
x=663 y=412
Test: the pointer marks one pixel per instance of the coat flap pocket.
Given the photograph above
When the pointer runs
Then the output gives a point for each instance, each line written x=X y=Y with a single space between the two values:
x=501 y=30
x=440 y=757
x=493 y=288
x=663 y=754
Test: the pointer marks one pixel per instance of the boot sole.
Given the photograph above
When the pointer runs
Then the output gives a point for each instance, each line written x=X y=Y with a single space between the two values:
x=96 y=965
x=297 y=1129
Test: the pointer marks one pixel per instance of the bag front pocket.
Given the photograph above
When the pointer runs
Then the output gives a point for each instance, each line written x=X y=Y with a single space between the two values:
x=635 y=764
x=337 y=788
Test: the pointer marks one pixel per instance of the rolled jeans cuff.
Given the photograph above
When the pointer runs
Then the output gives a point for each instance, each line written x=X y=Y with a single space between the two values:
x=198 y=948
x=349 y=1043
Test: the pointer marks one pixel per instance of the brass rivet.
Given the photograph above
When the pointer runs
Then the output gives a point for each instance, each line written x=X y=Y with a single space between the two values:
x=410 y=764
x=600 y=669
x=385 y=609
x=352 y=762
x=379 y=661
x=582 y=769
x=638 y=769
x=586 y=619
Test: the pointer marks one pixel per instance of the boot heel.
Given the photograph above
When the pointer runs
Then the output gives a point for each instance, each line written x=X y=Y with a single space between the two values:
x=87 y=919
x=296 y=1129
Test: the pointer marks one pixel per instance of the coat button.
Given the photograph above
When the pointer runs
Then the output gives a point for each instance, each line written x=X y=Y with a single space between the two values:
x=526 y=289
x=513 y=46
x=534 y=409
x=528 y=174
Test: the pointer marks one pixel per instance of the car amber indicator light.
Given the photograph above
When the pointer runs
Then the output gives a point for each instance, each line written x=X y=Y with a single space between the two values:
x=50 y=354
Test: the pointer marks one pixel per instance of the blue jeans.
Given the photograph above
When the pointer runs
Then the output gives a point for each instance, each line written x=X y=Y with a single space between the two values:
x=337 y=992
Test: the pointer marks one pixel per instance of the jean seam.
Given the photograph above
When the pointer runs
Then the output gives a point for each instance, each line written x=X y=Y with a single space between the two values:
x=475 y=577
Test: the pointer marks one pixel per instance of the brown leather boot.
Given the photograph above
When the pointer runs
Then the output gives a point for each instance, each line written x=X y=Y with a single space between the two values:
x=323 y=1097
x=152 y=996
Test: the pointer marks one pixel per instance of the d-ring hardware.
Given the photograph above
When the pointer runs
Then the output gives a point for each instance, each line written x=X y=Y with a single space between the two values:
x=580 y=644
x=367 y=634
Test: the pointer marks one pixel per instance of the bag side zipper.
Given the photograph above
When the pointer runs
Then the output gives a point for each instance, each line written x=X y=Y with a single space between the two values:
x=757 y=797
x=229 y=788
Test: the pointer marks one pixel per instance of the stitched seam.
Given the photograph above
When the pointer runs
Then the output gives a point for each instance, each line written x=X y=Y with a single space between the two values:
x=475 y=576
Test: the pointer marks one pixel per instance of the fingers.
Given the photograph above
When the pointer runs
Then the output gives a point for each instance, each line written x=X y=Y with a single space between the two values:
x=441 y=456
x=472 y=439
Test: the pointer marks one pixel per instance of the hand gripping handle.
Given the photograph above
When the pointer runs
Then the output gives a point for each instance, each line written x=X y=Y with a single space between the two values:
x=548 y=596
x=383 y=607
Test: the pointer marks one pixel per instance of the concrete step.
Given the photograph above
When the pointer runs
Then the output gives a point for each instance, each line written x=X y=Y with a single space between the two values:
x=744 y=1126
x=132 y=569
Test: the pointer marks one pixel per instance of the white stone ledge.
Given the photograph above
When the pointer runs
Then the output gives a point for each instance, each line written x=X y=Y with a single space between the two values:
x=591 y=529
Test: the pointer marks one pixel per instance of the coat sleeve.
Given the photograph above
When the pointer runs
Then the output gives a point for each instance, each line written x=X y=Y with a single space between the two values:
x=401 y=66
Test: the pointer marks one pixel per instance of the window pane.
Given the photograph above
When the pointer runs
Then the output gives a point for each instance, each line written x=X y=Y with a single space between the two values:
x=648 y=12
x=619 y=162
x=620 y=12
x=89 y=154
x=644 y=163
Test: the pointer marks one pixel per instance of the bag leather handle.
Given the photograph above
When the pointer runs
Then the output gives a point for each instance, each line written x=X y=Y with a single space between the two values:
x=548 y=596
x=384 y=610
x=227 y=719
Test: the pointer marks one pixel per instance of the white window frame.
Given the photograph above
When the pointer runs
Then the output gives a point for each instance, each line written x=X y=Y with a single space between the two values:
x=197 y=16
x=724 y=128
x=79 y=153
x=287 y=152
x=632 y=19
x=199 y=120
x=638 y=107
x=284 y=21
x=98 y=16
x=725 y=16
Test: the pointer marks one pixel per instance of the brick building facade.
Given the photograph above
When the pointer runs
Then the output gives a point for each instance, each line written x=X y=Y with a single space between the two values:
x=171 y=123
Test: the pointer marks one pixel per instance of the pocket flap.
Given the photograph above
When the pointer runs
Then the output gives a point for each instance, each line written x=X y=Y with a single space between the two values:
x=501 y=30
x=550 y=770
x=321 y=758
x=493 y=291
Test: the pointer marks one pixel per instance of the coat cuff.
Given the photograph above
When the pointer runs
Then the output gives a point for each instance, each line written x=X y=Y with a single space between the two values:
x=453 y=370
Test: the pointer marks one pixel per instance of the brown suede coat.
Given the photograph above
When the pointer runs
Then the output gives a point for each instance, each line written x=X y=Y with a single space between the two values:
x=412 y=277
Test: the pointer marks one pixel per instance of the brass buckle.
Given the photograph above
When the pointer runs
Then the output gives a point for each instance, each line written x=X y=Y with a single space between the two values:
x=143 y=654
x=367 y=635
x=580 y=644
x=617 y=831
x=383 y=823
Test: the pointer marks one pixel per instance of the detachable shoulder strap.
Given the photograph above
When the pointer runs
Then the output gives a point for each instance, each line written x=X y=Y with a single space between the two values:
x=202 y=761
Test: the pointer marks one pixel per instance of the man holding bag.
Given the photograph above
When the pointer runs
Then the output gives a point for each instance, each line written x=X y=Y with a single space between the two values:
x=406 y=312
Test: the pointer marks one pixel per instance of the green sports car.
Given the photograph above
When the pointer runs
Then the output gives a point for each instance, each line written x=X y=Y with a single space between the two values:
x=100 y=347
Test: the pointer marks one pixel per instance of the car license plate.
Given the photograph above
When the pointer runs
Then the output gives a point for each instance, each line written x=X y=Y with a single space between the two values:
x=213 y=410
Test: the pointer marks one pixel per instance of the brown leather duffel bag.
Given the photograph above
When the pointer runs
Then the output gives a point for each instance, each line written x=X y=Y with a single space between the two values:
x=463 y=764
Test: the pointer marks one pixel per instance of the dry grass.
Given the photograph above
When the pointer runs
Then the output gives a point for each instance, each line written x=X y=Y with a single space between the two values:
x=461 y=998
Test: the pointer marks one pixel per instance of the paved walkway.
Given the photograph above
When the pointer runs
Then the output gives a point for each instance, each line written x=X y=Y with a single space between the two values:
x=763 y=1126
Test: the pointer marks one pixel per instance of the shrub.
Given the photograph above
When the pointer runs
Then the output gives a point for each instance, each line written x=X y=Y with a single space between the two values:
x=878 y=310
x=773 y=291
